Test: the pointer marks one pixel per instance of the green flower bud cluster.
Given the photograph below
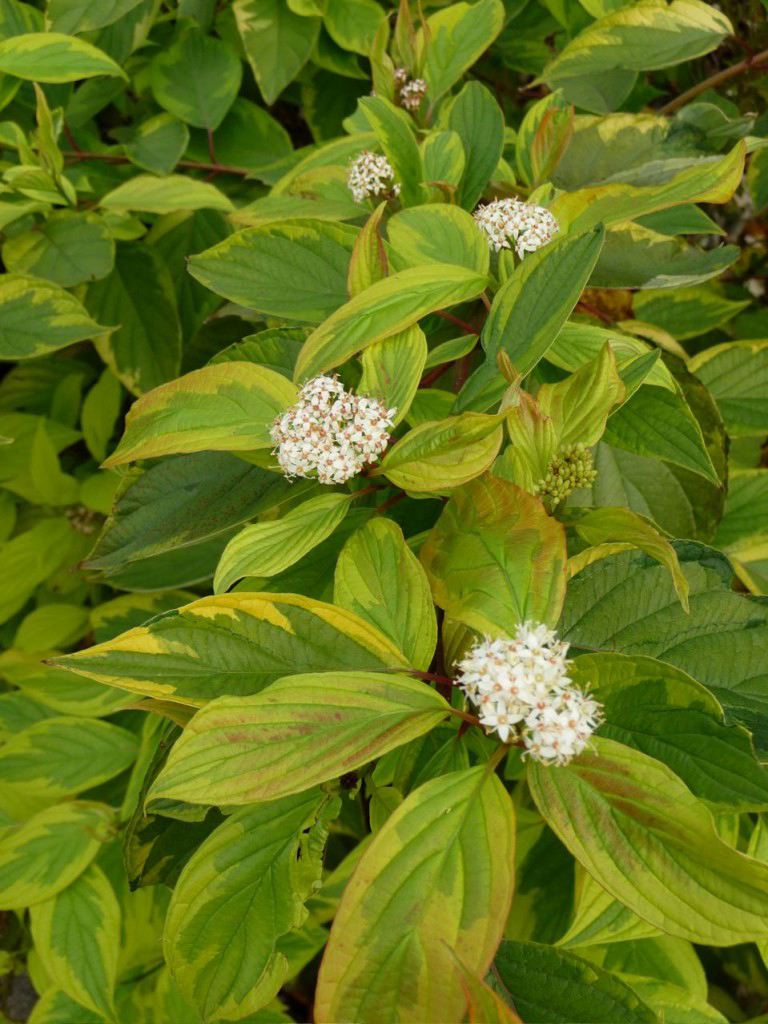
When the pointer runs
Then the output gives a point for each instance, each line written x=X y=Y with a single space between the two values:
x=570 y=469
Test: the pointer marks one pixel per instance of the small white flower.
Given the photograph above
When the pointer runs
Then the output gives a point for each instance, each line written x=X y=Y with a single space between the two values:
x=511 y=221
x=371 y=175
x=412 y=93
x=523 y=684
x=329 y=433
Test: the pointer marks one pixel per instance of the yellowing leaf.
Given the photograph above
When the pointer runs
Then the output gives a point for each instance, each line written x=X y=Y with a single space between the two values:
x=37 y=317
x=437 y=877
x=54 y=57
x=224 y=407
x=495 y=558
x=656 y=849
x=300 y=731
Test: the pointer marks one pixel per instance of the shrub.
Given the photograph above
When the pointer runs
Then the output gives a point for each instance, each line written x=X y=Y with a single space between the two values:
x=383 y=512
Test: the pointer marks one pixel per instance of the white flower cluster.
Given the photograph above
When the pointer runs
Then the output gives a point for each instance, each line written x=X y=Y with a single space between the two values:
x=371 y=174
x=410 y=90
x=524 y=683
x=329 y=433
x=507 y=221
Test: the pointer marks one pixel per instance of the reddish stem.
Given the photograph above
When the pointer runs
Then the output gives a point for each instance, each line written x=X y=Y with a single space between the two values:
x=467 y=328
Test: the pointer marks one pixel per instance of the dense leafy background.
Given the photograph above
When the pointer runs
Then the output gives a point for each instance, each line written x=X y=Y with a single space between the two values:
x=184 y=815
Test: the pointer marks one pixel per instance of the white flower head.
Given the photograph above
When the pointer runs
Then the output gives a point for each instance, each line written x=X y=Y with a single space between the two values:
x=412 y=92
x=371 y=175
x=522 y=686
x=330 y=434
x=510 y=223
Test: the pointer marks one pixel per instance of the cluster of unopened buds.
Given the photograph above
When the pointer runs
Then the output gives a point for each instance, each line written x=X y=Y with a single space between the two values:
x=571 y=469
x=371 y=176
x=511 y=223
x=522 y=692
x=330 y=434
x=411 y=91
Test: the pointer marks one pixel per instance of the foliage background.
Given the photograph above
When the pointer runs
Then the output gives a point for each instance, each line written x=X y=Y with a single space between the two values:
x=136 y=135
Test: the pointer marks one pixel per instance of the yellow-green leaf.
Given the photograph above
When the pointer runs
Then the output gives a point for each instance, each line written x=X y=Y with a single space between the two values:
x=54 y=57
x=266 y=549
x=77 y=937
x=223 y=407
x=152 y=194
x=380 y=579
x=235 y=644
x=37 y=317
x=384 y=309
x=45 y=854
x=392 y=369
x=438 y=456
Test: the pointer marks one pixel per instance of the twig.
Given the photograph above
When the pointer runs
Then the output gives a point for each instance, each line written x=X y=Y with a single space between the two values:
x=435 y=374
x=748 y=64
x=386 y=505
x=467 y=328
x=75 y=156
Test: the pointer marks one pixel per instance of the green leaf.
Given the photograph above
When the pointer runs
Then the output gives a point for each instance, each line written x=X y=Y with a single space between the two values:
x=495 y=558
x=145 y=348
x=100 y=411
x=31 y=557
x=151 y=194
x=600 y=919
x=276 y=41
x=442 y=154
x=266 y=549
x=394 y=132
x=454 y=39
x=436 y=457
x=196 y=79
x=54 y=57
x=635 y=257
x=659 y=423
x=180 y=504
x=68 y=249
x=60 y=757
x=603 y=525
x=76 y=936
x=627 y=602
x=656 y=850
x=240 y=895
x=680 y=502
x=477 y=119
x=37 y=317
x=437 y=233
x=437 y=877
x=579 y=343
x=551 y=984
x=529 y=310
x=59 y=690
x=235 y=644
x=644 y=36
x=736 y=373
x=72 y=16
x=746 y=509
x=55 y=1007
x=46 y=853
x=381 y=580
x=158 y=144
x=392 y=370
x=297 y=733
x=224 y=407
x=297 y=271
x=686 y=312
x=384 y=309
x=666 y=714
